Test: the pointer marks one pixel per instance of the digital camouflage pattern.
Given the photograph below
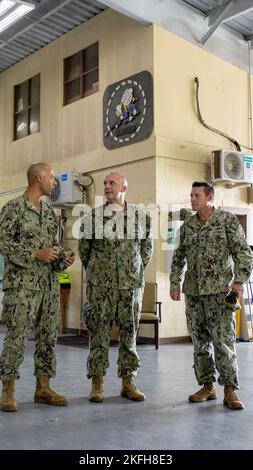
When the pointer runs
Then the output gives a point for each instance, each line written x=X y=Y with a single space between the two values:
x=211 y=325
x=23 y=310
x=23 y=230
x=31 y=287
x=118 y=249
x=103 y=306
x=208 y=249
x=114 y=255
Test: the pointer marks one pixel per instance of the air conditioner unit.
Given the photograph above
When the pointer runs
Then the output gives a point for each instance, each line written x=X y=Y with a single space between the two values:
x=231 y=166
x=66 y=191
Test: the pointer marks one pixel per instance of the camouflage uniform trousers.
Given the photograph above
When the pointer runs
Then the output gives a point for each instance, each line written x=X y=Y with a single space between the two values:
x=211 y=324
x=104 y=306
x=23 y=310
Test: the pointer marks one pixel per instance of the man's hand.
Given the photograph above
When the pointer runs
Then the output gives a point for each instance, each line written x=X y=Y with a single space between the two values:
x=70 y=260
x=238 y=287
x=47 y=255
x=175 y=295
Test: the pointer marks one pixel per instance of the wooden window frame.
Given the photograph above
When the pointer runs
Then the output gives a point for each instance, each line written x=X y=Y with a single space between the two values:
x=80 y=77
x=27 y=109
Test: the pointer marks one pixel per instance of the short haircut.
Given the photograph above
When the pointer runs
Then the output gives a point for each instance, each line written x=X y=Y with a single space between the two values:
x=119 y=177
x=35 y=170
x=208 y=188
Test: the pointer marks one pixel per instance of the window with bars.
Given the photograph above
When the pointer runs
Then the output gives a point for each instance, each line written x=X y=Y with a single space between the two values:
x=81 y=74
x=27 y=108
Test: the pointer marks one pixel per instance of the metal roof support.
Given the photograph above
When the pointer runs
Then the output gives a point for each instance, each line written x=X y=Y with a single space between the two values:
x=53 y=26
x=45 y=27
x=59 y=4
x=74 y=14
x=237 y=8
x=34 y=39
x=22 y=47
x=70 y=21
x=59 y=23
x=9 y=54
x=24 y=43
x=217 y=22
x=43 y=35
x=46 y=30
x=250 y=40
x=76 y=8
x=49 y=20
x=92 y=8
x=5 y=61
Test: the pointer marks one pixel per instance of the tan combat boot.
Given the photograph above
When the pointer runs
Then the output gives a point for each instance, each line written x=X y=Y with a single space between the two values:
x=207 y=392
x=97 y=390
x=44 y=394
x=129 y=389
x=230 y=398
x=7 y=400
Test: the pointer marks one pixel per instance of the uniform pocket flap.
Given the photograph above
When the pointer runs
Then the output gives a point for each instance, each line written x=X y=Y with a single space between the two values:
x=10 y=298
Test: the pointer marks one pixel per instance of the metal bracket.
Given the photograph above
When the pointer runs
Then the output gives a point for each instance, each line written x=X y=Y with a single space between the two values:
x=222 y=15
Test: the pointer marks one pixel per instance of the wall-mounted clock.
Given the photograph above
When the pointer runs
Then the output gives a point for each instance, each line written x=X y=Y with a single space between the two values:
x=128 y=110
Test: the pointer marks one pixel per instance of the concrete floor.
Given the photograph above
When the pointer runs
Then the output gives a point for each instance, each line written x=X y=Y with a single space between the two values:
x=164 y=421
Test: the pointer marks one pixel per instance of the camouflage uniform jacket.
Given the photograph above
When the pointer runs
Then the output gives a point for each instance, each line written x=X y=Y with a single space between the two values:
x=23 y=230
x=216 y=253
x=111 y=260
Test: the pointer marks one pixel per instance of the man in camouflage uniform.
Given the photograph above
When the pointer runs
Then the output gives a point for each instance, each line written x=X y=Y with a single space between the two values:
x=28 y=229
x=114 y=255
x=218 y=259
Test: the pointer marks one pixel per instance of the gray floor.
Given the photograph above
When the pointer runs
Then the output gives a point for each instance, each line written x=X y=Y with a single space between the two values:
x=164 y=421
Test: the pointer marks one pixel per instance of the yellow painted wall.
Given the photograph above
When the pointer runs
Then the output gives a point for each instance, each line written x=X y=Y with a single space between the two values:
x=223 y=99
x=71 y=137
x=183 y=145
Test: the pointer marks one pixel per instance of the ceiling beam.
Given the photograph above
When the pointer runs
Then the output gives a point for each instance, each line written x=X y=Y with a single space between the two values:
x=42 y=11
x=235 y=8
x=249 y=38
x=219 y=20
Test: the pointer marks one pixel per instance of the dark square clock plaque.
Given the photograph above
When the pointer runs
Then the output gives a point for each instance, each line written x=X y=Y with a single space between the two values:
x=128 y=110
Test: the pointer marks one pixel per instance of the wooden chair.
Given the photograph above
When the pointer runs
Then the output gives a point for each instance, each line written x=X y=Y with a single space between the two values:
x=151 y=309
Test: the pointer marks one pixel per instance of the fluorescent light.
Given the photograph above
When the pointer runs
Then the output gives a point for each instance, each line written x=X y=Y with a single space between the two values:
x=21 y=9
x=5 y=5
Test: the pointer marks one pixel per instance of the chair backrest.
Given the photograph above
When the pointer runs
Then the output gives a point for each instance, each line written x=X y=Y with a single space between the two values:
x=149 y=298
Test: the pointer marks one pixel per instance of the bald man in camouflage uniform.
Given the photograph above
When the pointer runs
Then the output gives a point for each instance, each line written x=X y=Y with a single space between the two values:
x=28 y=229
x=114 y=258
x=209 y=241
